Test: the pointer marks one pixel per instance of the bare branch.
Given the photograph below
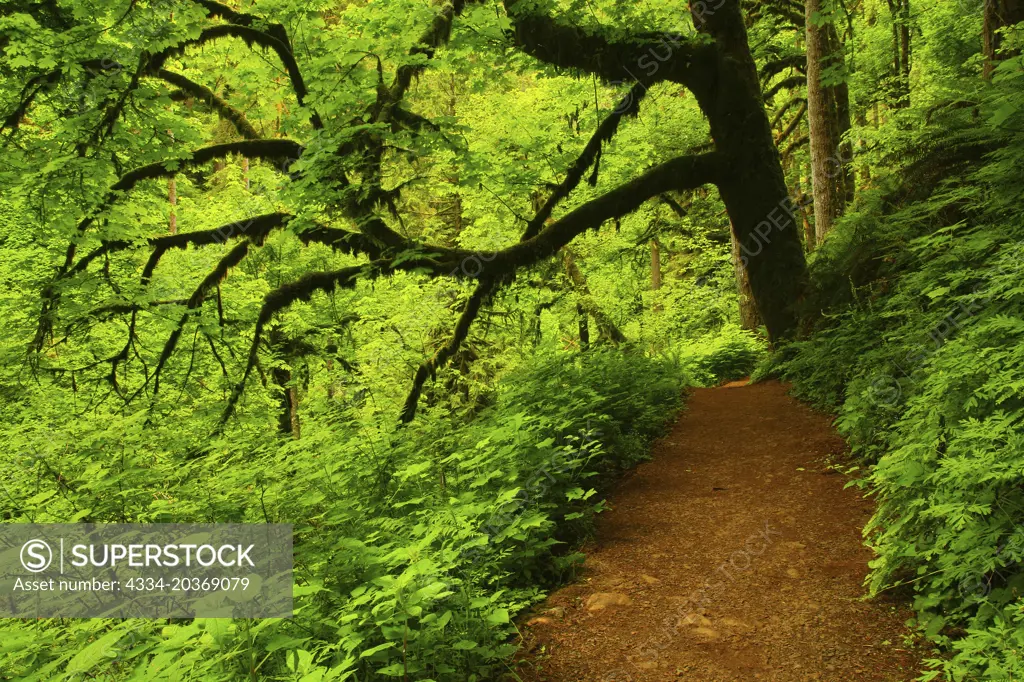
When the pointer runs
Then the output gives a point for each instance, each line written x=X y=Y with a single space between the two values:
x=233 y=258
x=792 y=124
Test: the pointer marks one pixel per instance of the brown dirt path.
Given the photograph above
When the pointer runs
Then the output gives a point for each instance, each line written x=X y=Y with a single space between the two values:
x=735 y=554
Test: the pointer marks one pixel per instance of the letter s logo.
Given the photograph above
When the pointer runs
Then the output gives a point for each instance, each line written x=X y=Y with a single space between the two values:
x=36 y=556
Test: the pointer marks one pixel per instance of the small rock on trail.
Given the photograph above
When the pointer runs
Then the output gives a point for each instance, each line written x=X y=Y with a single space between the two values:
x=734 y=555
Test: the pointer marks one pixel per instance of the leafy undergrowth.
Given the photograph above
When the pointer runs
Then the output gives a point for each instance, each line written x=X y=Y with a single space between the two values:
x=731 y=353
x=414 y=549
x=922 y=356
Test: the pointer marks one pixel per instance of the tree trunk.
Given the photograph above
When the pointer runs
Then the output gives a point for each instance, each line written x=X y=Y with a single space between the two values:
x=753 y=187
x=841 y=98
x=288 y=411
x=900 y=12
x=172 y=198
x=749 y=319
x=998 y=14
x=293 y=411
x=809 y=242
x=586 y=306
x=826 y=165
x=655 y=265
x=865 y=168
x=656 y=272
x=584 y=327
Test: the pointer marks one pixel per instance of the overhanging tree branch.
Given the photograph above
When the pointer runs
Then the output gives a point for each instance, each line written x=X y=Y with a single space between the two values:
x=264 y=149
x=777 y=66
x=784 y=135
x=784 y=84
x=254 y=149
x=685 y=172
x=591 y=155
x=204 y=94
x=216 y=9
x=233 y=258
x=254 y=229
x=795 y=144
x=250 y=36
x=641 y=57
x=781 y=111
x=428 y=369
x=279 y=299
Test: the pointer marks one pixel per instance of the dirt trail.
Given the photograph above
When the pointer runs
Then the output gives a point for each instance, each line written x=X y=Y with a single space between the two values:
x=735 y=554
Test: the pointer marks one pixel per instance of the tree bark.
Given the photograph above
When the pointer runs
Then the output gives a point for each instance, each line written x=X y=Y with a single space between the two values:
x=900 y=12
x=172 y=197
x=998 y=14
x=753 y=187
x=841 y=98
x=586 y=306
x=809 y=242
x=749 y=319
x=584 y=326
x=288 y=402
x=826 y=173
x=655 y=265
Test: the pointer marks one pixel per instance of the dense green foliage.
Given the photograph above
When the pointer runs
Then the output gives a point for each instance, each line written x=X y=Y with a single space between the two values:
x=415 y=544
x=921 y=353
x=412 y=549
x=231 y=235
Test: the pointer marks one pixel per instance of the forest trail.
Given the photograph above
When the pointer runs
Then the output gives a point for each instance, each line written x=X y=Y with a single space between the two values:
x=735 y=554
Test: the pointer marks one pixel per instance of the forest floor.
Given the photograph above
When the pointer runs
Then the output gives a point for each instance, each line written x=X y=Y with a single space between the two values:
x=734 y=554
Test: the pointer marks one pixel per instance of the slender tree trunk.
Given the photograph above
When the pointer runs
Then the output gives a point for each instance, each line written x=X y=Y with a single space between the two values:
x=826 y=173
x=584 y=326
x=998 y=14
x=656 y=272
x=288 y=412
x=841 y=98
x=809 y=240
x=293 y=412
x=172 y=198
x=865 y=169
x=655 y=265
x=607 y=328
x=900 y=11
